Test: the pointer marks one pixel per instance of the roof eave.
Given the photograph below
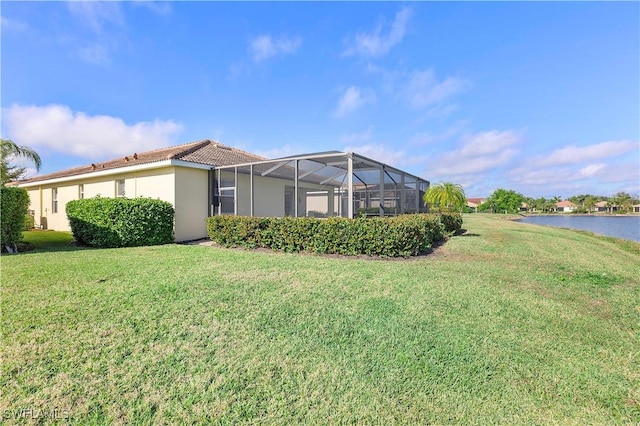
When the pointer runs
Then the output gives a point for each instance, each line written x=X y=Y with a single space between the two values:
x=116 y=171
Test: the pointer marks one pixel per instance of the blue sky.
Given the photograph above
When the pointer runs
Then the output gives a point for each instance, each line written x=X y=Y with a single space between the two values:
x=542 y=98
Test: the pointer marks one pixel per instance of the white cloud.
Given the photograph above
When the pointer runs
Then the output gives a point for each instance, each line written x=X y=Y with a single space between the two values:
x=479 y=153
x=578 y=154
x=162 y=8
x=568 y=179
x=575 y=169
x=104 y=22
x=423 y=89
x=95 y=54
x=60 y=129
x=428 y=138
x=353 y=99
x=381 y=153
x=264 y=47
x=357 y=138
x=488 y=143
x=592 y=169
x=280 y=152
x=377 y=43
x=543 y=177
x=97 y=15
x=12 y=24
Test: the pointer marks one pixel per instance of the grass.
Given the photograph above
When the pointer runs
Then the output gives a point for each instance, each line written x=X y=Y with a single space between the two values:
x=508 y=323
x=48 y=241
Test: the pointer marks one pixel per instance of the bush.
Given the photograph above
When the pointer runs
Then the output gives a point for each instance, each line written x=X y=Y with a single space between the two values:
x=29 y=222
x=452 y=222
x=121 y=222
x=405 y=235
x=14 y=204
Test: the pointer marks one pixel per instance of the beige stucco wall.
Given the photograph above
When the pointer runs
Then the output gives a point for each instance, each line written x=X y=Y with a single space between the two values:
x=152 y=183
x=191 y=199
x=269 y=196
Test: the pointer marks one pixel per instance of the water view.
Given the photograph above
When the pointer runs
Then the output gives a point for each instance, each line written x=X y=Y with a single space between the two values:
x=627 y=227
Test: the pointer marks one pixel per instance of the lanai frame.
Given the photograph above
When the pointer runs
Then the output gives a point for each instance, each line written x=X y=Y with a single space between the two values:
x=343 y=175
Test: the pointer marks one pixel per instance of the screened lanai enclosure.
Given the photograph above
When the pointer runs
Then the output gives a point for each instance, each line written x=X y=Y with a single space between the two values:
x=315 y=185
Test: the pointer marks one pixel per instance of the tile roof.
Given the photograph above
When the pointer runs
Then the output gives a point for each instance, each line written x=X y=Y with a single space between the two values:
x=207 y=152
x=476 y=201
x=565 y=203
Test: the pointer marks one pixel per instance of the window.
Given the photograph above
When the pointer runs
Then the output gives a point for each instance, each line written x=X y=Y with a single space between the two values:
x=54 y=200
x=81 y=191
x=120 y=192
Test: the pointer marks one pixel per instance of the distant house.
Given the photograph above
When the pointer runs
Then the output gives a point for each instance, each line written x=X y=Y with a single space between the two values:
x=565 y=206
x=207 y=178
x=605 y=206
x=473 y=203
x=636 y=208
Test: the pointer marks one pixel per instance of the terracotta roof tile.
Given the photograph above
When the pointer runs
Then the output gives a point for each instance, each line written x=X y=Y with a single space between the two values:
x=203 y=152
x=475 y=200
x=217 y=154
x=565 y=203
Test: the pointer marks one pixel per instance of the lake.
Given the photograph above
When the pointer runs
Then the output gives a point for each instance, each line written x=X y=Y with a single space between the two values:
x=627 y=227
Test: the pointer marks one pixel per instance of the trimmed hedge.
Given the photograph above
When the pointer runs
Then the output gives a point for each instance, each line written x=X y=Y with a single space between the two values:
x=452 y=222
x=14 y=204
x=121 y=222
x=405 y=235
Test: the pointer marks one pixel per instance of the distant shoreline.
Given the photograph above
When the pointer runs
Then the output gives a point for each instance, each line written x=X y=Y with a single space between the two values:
x=581 y=214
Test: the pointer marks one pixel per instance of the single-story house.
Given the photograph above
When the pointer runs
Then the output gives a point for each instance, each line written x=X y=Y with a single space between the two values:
x=565 y=206
x=473 y=203
x=605 y=206
x=206 y=178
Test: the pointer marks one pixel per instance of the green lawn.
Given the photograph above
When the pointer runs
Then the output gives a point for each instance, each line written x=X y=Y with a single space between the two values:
x=509 y=323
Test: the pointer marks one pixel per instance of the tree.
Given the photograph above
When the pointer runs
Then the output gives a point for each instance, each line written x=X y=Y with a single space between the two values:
x=10 y=150
x=446 y=196
x=589 y=203
x=530 y=203
x=14 y=203
x=504 y=201
x=623 y=200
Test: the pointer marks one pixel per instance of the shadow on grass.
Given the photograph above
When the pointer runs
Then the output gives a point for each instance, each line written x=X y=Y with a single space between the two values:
x=48 y=242
x=464 y=233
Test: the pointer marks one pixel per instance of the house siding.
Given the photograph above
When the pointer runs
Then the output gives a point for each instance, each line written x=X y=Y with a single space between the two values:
x=269 y=196
x=154 y=183
x=191 y=203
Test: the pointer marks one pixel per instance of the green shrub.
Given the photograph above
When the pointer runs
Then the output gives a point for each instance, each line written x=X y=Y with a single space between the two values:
x=405 y=235
x=230 y=232
x=29 y=222
x=121 y=222
x=452 y=222
x=14 y=204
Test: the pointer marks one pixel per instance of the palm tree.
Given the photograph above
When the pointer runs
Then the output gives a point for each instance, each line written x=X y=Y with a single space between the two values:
x=589 y=203
x=446 y=196
x=9 y=150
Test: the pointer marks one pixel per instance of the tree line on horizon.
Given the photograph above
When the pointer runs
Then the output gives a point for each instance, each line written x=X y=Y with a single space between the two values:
x=448 y=196
x=510 y=201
